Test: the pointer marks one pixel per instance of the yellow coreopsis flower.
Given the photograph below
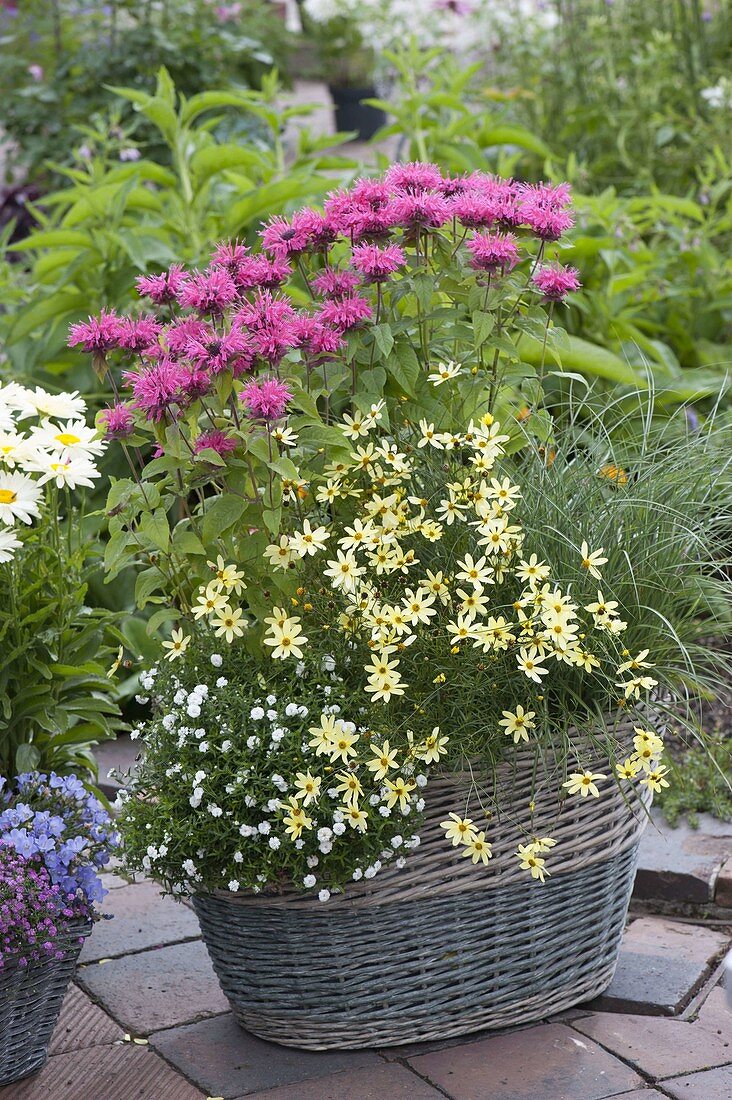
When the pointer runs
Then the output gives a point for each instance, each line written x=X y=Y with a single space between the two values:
x=529 y=662
x=399 y=791
x=628 y=769
x=458 y=829
x=532 y=571
x=341 y=747
x=228 y=576
x=477 y=848
x=307 y=787
x=529 y=861
x=518 y=723
x=177 y=645
x=296 y=819
x=325 y=734
x=344 y=571
x=385 y=759
x=655 y=779
x=308 y=541
x=280 y=554
x=355 y=816
x=209 y=601
x=228 y=623
x=433 y=747
x=592 y=560
x=349 y=786
x=286 y=640
x=584 y=783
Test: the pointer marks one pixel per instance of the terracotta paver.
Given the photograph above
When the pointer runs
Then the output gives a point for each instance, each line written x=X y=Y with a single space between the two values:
x=141 y=918
x=121 y=1072
x=550 y=1062
x=642 y=1094
x=389 y=1082
x=156 y=989
x=657 y=1047
x=82 y=1024
x=713 y=1084
x=716 y=1014
x=661 y=963
x=229 y=1062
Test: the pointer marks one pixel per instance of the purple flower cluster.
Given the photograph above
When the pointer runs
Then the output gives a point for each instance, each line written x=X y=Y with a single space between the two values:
x=35 y=914
x=234 y=317
x=55 y=820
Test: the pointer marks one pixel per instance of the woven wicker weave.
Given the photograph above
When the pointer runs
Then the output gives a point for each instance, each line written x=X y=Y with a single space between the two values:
x=30 y=1002
x=441 y=947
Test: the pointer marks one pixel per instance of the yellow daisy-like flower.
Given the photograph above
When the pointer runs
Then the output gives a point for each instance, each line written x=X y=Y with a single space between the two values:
x=177 y=645
x=385 y=759
x=477 y=848
x=628 y=769
x=341 y=747
x=433 y=747
x=228 y=623
x=399 y=791
x=458 y=829
x=349 y=786
x=307 y=787
x=296 y=819
x=529 y=861
x=592 y=560
x=286 y=640
x=655 y=779
x=355 y=816
x=209 y=601
x=518 y=723
x=584 y=783
x=344 y=571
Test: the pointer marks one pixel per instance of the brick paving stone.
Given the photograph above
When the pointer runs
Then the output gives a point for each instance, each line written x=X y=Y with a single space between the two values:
x=657 y=1047
x=714 y=1084
x=227 y=1061
x=550 y=1062
x=392 y=1082
x=715 y=1014
x=156 y=989
x=121 y=1072
x=642 y=1094
x=723 y=886
x=662 y=962
x=82 y=1024
x=681 y=864
x=141 y=919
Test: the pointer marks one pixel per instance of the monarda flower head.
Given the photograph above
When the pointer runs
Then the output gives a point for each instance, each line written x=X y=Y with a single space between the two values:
x=216 y=353
x=334 y=284
x=156 y=388
x=98 y=334
x=163 y=288
x=414 y=177
x=475 y=210
x=493 y=251
x=215 y=440
x=377 y=264
x=542 y=209
x=139 y=333
x=209 y=292
x=420 y=211
x=265 y=400
x=556 y=282
x=285 y=238
x=117 y=421
x=343 y=314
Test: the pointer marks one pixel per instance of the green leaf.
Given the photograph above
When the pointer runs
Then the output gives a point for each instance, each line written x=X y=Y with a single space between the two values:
x=483 y=324
x=403 y=366
x=27 y=758
x=580 y=355
x=154 y=527
x=384 y=339
x=221 y=514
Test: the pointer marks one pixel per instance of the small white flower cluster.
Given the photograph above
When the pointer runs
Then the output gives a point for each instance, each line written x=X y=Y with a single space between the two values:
x=44 y=439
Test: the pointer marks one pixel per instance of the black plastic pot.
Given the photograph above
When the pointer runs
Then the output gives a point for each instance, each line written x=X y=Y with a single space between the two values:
x=352 y=114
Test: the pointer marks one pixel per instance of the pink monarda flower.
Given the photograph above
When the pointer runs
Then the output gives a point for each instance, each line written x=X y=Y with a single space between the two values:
x=335 y=284
x=117 y=421
x=208 y=292
x=316 y=228
x=156 y=388
x=179 y=335
x=216 y=353
x=98 y=334
x=163 y=288
x=420 y=211
x=414 y=177
x=556 y=282
x=377 y=264
x=268 y=321
x=284 y=238
x=215 y=440
x=493 y=251
x=265 y=400
x=542 y=209
x=196 y=383
x=343 y=314
x=228 y=255
x=315 y=338
x=139 y=333
x=475 y=210
x=262 y=271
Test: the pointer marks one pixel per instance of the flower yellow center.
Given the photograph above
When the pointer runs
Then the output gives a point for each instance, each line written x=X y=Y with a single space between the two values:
x=7 y=496
x=67 y=439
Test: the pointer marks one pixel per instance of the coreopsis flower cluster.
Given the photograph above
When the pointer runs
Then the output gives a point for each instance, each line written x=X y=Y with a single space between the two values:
x=415 y=566
x=266 y=784
x=44 y=440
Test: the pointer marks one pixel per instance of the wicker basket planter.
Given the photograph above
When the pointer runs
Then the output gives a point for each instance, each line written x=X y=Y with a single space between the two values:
x=30 y=1002
x=441 y=947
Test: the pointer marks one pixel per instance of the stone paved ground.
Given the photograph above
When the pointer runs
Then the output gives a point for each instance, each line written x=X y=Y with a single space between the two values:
x=146 y=1019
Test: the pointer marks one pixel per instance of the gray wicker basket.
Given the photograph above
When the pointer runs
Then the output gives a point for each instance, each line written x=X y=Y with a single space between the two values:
x=441 y=947
x=30 y=1002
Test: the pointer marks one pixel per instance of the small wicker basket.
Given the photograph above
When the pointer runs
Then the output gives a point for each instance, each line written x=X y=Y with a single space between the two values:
x=441 y=947
x=30 y=1003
